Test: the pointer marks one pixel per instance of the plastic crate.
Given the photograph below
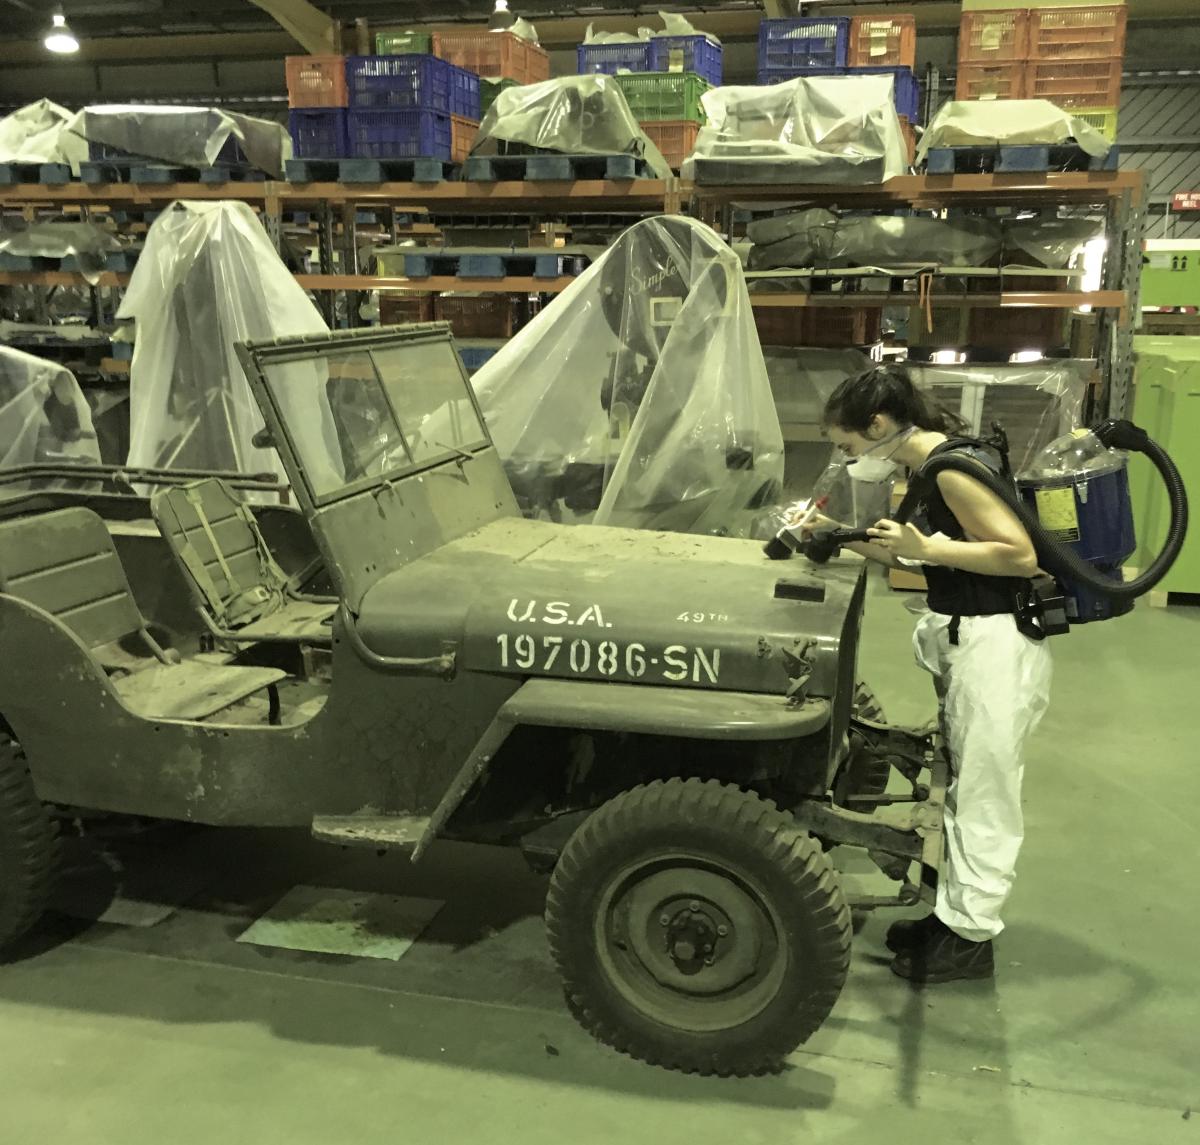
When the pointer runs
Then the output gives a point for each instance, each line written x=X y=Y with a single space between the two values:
x=1077 y=33
x=477 y=315
x=403 y=43
x=687 y=54
x=316 y=81
x=493 y=54
x=990 y=81
x=412 y=81
x=608 y=59
x=397 y=307
x=1103 y=119
x=882 y=42
x=803 y=45
x=907 y=89
x=318 y=132
x=396 y=134
x=664 y=95
x=462 y=137
x=993 y=37
x=476 y=357
x=489 y=89
x=1079 y=83
x=768 y=76
x=674 y=139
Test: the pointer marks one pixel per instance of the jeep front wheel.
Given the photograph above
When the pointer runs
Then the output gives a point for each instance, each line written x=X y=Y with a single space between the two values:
x=697 y=927
x=28 y=847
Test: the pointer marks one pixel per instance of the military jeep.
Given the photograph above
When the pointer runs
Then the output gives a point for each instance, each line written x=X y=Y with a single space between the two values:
x=667 y=724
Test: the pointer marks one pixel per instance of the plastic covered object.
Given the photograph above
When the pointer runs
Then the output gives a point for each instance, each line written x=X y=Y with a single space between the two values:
x=813 y=129
x=1077 y=454
x=523 y=29
x=639 y=397
x=803 y=378
x=677 y=24
x=987 y=122
x=577 y=115
x=821 y=238
x=207 y=279
x=191 y=136
x=39 y=133
x=591 y=36
x=1049 y=242
x=44 y=417
x=87 y=243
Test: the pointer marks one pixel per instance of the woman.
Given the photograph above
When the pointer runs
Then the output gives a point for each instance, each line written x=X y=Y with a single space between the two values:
x=992 y=681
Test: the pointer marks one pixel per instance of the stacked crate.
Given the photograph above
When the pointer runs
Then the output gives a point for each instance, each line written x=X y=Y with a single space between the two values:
x=496 y=55
x=609 y=59
x=317 y=102
x=1069 y=55
x=667 y=106
x=409 y=107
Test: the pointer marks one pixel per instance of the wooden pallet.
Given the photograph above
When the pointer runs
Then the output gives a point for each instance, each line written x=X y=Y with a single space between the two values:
x=46 y=174
x=1022 y=158
x=370 y=170
x=482 y=263
x=553 y=168
x=116 y=261
x=143 y=171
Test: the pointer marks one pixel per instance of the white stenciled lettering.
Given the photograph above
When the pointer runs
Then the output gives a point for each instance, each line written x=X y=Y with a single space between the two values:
x=557 y=612
x=675 y=655
x=526 y=615
x=606 y=658
x=524 y=651
x=581 y=656
x=635 y=660
x=711 y=667
x=553 y=646
x=592 y=615
x=502 y=640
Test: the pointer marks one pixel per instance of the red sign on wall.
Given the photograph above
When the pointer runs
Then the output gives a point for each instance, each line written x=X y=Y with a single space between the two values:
x=1186 y=201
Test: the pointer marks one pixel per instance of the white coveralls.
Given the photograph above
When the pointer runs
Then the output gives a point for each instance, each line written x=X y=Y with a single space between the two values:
x=993 y=688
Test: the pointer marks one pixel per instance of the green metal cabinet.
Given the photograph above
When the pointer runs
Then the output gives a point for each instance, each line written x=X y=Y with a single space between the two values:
x=1171 y=272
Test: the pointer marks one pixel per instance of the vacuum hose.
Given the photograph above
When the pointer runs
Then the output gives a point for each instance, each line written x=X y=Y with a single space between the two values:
x=1064 y=561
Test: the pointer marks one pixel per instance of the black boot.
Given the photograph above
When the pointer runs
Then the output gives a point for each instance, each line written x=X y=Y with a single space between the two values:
x=942 y=956
x=908 y=933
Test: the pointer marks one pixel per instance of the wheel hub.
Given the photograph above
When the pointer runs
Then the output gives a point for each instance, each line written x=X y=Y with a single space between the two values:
x=693 y=938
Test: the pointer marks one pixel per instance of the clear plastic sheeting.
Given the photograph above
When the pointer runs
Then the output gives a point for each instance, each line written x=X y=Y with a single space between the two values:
x=1048 y=242
x=44 y=418
x=814 y=129
x=1077 y=454
x=190 y=136
x=803 y=378
x=639 y=397
x=822 y=238
x=986 y=122
x=87 y=243
x=39 y=133
x=207 y=279
x=576 y=115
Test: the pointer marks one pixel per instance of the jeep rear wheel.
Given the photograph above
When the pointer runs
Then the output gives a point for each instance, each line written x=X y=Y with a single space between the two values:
x=28 y=847
x=697 y=927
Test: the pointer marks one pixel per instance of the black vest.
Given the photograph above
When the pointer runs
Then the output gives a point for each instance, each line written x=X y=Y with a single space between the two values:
x=954 y=592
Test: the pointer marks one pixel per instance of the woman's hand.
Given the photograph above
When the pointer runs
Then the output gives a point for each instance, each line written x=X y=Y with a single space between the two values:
x=901 y=541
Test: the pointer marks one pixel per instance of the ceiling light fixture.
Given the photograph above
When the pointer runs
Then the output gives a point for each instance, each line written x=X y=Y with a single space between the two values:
x=501 y=18
x=60 y=39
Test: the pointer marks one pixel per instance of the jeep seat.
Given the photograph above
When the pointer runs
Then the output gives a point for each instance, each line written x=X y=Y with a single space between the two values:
x=64 y=562
x=241 y=592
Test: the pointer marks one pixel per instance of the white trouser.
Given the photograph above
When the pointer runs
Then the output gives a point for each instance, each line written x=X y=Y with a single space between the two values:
x=993 y=687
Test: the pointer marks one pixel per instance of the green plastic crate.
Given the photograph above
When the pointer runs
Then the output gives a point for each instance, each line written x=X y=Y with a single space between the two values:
x=489 y=89
x=403 y=44
x=664 y=95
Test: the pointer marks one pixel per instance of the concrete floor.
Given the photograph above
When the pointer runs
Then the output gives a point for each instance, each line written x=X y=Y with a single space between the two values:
x=1091 y=1031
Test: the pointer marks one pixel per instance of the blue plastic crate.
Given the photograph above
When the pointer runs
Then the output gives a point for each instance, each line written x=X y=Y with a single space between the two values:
x=413 y=81
x=908 y=90
x=391 y=134
x=608 y=59
x=475 y=357
x=687 y=54
x=318 y=132
x=782 y=75
x=803 y=45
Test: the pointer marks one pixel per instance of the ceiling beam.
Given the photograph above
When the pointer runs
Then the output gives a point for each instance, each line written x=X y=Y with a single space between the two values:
x=310 y=27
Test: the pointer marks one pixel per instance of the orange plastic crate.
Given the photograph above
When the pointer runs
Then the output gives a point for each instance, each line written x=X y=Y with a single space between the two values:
x=462 y=138
x=1077 y=33
x=477 y=316
x=1078 y=83
x=675 y=138
x=883 y=42
x=316 y=81
x=398 y=307
x=493 y=54
x=818 y=325
x=993 y=37
x=991 y=81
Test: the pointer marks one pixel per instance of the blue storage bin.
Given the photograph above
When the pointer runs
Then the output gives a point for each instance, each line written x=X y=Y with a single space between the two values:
x=782 y=75
x=318 y=132
x=395 y=134
x=804 y=44
x=687 y=54
x=608 y=59
x=908 y=90
x=413 y=81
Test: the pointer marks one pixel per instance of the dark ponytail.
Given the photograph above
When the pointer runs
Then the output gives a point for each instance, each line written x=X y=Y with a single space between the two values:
x=886 y=390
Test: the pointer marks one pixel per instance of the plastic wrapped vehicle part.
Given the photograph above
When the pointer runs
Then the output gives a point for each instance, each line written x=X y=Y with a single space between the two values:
x=190 y=136
x=984 y=122
x=822 y=238
x=814 y=129
x=1049 y=242
x=39 y=133
x=44 y=418
x=208 y=278
x=639 y=396
x=576 y=115
x=87 y=243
